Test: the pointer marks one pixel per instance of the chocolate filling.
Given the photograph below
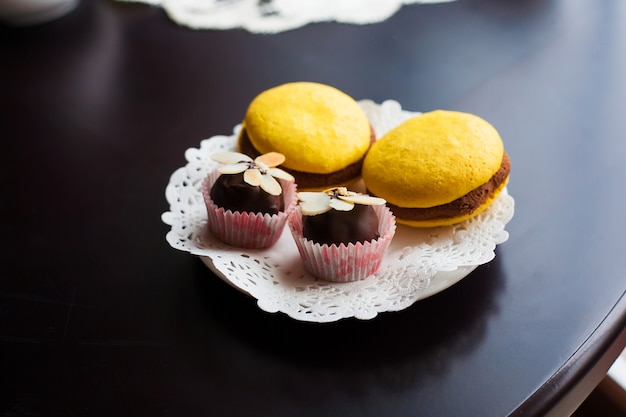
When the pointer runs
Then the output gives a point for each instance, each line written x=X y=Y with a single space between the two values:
x=461 y=206
x=309 y=179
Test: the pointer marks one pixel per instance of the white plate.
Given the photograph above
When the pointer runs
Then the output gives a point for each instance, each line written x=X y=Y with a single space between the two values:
x=418 y=263
x=438 y=282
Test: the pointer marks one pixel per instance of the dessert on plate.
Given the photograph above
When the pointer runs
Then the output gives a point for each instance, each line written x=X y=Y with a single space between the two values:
x=323 y=133
x=437 y=169
x=248 y=200
x=330 y=246
x=341 y=235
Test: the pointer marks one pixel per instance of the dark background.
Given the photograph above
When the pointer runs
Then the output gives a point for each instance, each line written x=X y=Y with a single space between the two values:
x=100 y=317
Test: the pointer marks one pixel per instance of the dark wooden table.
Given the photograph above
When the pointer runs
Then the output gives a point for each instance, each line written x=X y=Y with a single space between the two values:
x=100 y=317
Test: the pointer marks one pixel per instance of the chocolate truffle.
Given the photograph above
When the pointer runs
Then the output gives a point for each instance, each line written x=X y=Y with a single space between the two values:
x=357 y=225
x=231 y=192
x=337 y=215
x=341 y=235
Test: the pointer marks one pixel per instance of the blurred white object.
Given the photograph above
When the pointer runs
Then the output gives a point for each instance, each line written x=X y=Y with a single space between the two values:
x=273 y=16
x=30 y=12
x=614 y=385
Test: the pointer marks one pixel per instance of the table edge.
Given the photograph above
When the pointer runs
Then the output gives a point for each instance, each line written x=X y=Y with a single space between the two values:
x=563 y=393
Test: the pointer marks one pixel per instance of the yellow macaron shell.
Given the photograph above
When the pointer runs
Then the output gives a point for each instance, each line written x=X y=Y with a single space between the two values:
x=317 y=127
x=433 y=159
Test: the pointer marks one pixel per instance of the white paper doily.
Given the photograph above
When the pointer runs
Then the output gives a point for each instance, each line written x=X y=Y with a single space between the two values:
x=418 y=263
x=273 y=16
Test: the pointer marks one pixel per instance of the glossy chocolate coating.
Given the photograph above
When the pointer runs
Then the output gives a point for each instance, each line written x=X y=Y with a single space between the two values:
x=357 y=225
x=231 y=192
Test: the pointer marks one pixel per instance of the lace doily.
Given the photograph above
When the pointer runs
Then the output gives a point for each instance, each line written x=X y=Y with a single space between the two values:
x=418 y=263
x=273 y=16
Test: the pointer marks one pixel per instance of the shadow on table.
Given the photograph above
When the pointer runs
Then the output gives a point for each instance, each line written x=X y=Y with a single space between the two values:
x=226 y=329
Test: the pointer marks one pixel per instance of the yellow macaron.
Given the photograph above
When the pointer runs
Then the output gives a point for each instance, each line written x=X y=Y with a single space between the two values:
x=321 y=131
x=438 y=168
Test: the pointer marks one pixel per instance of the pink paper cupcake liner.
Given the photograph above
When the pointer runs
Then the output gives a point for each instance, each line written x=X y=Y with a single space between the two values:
x=247 y=230
x=344 y=263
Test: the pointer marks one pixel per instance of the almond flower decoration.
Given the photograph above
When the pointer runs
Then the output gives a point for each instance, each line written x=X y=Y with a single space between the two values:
x=338 y=198
x=260 y=171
